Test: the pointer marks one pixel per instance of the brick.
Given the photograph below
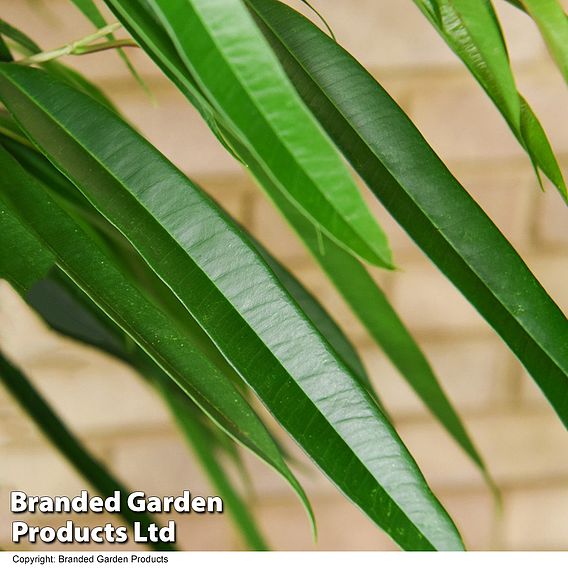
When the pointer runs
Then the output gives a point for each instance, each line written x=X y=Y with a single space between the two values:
x=552 y=226
x=517 y=447
x=20 y=467
x=552 y=272
x=89 y=390
x=160 y=465
x=206 y=532
x=395 y=35
x=274 y=232
x=473 y=373
x=536 y=518
x=474 y=515
x=341 y=526
x=460 y=122
x=177 y=130
x=428 y=303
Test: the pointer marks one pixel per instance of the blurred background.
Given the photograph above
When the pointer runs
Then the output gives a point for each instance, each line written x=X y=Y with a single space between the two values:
x=524 y=444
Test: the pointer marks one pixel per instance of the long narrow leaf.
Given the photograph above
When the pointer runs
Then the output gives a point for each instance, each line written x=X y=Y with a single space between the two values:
x=222 y=281
x=403 y=172
x=70 y=446
x=348 y=275
x=373 y=309
x=553 y=24
x=473 y=32
x=119 y=298
x=43 y=170
x=231 y=62
x=74 y=315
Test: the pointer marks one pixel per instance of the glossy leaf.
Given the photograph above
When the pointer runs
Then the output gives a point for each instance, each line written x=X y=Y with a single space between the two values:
x=553 y=25
x=30 y=47
x=373 y=309
x=36 y=164
x=230 y=61
x=27 y=264
x=120 y=299
x=222 y=281
x=473 y=32
x=347 y=274
x=318 y=315
x=71 y=313
x=72 y=449
x=405 y=174
x=44 y=171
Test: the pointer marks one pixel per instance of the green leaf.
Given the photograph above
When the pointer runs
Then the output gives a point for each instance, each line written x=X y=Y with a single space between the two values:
x=222 y=281
x=553 y=25
x=90 y=10
x=472 y=31
x=200 y=440
x=30 y=47
x=66 y=310
x=26 y=265
x=317 y=313
x=44 y=171
x=19 y=37
x=5 y=54
x=249 y=90
x=70 y=447
x=405 y=174
x=143 y=25
x=373 y=309
x=170 y=347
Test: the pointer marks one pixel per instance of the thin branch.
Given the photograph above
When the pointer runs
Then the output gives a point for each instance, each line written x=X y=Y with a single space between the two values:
x=80 y=47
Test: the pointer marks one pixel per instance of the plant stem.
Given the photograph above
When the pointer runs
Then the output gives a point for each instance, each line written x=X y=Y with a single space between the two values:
x=81 y=46
x=115 y=44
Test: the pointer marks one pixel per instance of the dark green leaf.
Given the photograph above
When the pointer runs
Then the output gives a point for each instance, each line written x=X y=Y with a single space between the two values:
x=473 y=32
x=221 y=280
x=403 y=172
x=66 y=443
x=252 y=94
x=27 y=264
x=123 y=302
x=68 y=311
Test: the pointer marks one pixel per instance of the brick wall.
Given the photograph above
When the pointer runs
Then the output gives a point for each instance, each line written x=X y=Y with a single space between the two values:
x=524 y=444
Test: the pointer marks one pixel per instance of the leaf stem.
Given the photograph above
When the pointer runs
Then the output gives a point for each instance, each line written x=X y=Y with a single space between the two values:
x=81 y=46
